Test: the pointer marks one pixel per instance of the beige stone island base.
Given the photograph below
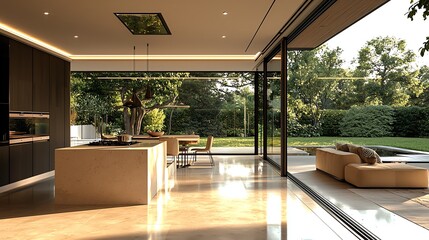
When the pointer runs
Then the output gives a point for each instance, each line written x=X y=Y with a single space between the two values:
x=109 y=174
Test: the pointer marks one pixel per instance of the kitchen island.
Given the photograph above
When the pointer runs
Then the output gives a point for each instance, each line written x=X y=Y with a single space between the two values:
x=110 y=174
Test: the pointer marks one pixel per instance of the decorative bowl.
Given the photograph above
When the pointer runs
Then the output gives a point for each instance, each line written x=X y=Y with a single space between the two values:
x=155 y=134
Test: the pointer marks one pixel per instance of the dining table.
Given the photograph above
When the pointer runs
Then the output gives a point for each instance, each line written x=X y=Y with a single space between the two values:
x=185 y=141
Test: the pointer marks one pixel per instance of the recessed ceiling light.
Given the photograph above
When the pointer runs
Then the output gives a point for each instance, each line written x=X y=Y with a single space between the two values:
x=223 y=36
x=225 y=13
x=46 y=13
x=76 y=36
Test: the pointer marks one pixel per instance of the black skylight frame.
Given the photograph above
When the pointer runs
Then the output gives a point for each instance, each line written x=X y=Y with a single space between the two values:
x=140 y=30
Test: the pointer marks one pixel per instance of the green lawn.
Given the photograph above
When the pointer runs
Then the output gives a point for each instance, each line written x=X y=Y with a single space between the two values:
x=421 y=144
x=230 y=142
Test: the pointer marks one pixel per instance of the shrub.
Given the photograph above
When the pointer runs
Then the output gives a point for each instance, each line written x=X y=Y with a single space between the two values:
x=408 y=121
x=154 y=120
x=370 y=121
x=330 y=122
x=295 y=129
x=423 y=125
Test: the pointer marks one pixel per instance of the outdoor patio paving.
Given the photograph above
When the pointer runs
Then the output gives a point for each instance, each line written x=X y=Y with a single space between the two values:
x=388 y=213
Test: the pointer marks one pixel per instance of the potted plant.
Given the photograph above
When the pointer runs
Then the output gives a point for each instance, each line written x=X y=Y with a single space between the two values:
x=154 y=123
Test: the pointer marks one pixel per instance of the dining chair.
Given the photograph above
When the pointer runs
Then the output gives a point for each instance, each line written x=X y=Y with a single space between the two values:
x=207 y=150
x=172 y=148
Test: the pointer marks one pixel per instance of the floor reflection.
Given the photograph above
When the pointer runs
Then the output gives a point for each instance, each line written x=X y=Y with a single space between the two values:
x=387 y=213
x=240 y=197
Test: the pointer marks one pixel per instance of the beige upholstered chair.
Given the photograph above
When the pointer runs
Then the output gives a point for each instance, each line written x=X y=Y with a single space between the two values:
x=207 y=150
x=172 y=147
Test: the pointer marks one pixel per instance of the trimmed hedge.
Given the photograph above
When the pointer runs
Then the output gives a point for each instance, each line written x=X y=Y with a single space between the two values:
x=369 y=121
x=330 y=122
x=423 y=124
x=408 y=121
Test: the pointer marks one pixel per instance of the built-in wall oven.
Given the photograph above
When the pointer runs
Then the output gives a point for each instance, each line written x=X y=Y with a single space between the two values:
x=28 y=127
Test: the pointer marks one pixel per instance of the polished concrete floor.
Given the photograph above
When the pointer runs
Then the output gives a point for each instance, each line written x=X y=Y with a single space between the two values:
x=241 y=197
x=388 y=213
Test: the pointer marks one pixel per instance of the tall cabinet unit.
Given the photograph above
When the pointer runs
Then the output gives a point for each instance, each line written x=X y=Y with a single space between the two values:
x=4 y=70
x=21 y=100
x=41 y=93
x=4 y=111
x=4 y=165
x=41 y=160
x=56 y=106
x=21 y=161
x=20 y=77
x=38 y=84
x=67 y=134
x=40 y=81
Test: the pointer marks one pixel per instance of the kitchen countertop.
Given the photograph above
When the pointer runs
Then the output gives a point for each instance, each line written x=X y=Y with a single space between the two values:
x=137 y=146
x=110 y=174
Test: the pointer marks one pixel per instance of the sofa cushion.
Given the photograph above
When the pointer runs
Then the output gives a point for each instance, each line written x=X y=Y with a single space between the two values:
x=368 y=155
x=342 y=147
x=386 y=175
x=353 y=148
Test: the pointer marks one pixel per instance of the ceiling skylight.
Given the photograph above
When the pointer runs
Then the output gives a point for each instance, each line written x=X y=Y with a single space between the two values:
x=144 y=23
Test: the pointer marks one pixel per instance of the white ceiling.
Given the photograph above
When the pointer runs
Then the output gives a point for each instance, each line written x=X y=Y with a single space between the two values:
x=197 y=27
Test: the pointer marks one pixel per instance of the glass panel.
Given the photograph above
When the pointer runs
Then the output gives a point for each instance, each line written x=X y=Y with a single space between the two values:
x=273 y=126
x=260 y=89
x=222 y=108
x=206 y=103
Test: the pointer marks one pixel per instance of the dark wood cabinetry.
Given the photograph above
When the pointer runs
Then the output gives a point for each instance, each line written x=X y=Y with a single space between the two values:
x=4 y=165
x=40 y=157
x=4 y=94
x=67 y=112
x=21 y=161
x=20 y=77
x=57 y=108
x=32 y=80
x=40 y=81
x=4 y=70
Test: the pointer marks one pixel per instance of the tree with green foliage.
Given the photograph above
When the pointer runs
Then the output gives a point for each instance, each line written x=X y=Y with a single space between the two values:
x=329 y=71
x=421 y=98
x=412 y=11
x=303 y=83
x=312 y=81
x=205 y=105
x=387 y=66
x=118 y=93
x=216 y=103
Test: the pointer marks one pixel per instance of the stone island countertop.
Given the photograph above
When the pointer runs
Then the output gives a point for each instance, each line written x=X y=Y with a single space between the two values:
x=109 y=174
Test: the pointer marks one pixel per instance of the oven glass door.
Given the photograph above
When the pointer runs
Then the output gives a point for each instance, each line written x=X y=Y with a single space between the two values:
x=21 y=127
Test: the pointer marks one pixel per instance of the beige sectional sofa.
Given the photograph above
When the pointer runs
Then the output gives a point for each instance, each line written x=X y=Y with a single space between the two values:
x=387 y=175
x=334 y=161
x=348 y=166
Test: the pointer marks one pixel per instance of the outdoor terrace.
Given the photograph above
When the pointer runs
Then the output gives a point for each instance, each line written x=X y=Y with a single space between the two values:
x=402 y=211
